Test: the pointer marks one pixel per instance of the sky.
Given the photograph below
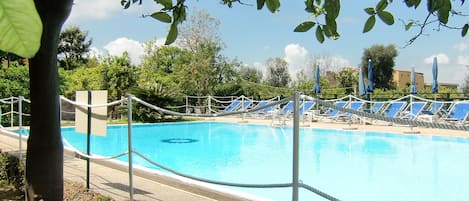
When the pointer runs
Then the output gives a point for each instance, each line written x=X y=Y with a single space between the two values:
x=253 y=36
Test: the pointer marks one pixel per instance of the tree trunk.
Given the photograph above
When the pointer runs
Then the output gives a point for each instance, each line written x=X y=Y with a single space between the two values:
x=44 y=158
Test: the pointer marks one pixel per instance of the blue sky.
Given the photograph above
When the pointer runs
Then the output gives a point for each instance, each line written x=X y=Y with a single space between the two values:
x=253 y=36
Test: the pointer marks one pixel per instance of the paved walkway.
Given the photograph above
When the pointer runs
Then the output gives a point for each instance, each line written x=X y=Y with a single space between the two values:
x=112 y=182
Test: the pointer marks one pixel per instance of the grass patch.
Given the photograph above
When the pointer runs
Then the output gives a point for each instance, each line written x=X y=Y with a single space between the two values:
x=9 y=192
x=77 y=191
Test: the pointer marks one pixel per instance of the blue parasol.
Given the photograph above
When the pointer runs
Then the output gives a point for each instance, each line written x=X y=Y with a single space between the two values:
x=435 y=83
x=435 y=76
x=370 y=77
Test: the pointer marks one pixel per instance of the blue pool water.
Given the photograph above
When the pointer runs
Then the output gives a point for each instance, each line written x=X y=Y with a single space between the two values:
x=350 y=165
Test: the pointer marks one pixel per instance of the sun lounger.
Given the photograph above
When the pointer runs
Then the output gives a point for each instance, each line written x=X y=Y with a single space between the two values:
x=332 y=113
x=458 y=113
x=306 y=107
x=354 y=105
x=259 y=105
x=288 y=108
x=432 y=113
x=377 y=107
x=262 y=113
x=413 y=110
x=245 y=105
x=233 y=106
x=394 y=108
x=434 y=108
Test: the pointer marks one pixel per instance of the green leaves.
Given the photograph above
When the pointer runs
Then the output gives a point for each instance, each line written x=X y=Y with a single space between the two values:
x=409 y=25
x=432 y=5
x=444 y=10
x=382 y=5
x=414 y=3
x=386 y=17
x=172 y=35
x=369 y=24
x=332 y=8
x=442 y=7
x=319 y=34
x=305 y=26
x=162 y=16
x=260 y=4
x=273 y=5
x=370 y=11
x=464 y=30
x=20 y=27
x=166 y=3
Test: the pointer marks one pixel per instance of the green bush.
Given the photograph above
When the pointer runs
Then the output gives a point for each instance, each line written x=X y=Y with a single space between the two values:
x=12 y=171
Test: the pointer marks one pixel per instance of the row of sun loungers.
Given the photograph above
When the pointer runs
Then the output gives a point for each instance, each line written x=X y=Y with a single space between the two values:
x=434 y=111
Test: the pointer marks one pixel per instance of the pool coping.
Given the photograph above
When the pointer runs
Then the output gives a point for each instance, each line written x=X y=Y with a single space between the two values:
x=221 y=193
x=207 y=190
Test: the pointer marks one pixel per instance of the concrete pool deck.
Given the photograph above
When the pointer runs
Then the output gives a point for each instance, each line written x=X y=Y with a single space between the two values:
x=112 y=181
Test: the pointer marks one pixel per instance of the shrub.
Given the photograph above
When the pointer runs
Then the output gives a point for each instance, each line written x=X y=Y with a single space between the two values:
x=12 y=171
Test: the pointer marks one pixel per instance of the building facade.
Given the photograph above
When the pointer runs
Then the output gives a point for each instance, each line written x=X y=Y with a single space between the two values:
x=401 y=79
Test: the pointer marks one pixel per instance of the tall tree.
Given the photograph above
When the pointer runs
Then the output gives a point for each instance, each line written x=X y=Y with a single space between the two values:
x=303 y=83
x=277 y=72
x=465 y=86
x=119 y=75
x=207 y=68
x=383 y=64
x=44 y=156
x=200 y=29
x=197 y=73
x=347 y=79
x=158 y=72
x=250 y=74
x=73 y=47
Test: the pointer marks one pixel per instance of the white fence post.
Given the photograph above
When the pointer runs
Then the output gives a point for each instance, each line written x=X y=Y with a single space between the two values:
x=296 y=136
x=129 y=136
x=20 y=124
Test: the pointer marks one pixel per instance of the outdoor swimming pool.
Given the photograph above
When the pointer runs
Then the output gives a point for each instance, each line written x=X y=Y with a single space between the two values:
x=350 y=165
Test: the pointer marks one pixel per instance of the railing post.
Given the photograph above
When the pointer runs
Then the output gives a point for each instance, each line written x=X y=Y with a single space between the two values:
x=296 y=140
x=242 y=107
x=88 y=140
x=209 y=104
x=129 y=136
x=20 y=124
x=187 y=105
x=11 y=111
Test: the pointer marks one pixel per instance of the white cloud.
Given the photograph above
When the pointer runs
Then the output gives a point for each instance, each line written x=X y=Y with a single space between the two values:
x=260 y=66
x=332 y=63
x=463 y=60
x=461 y=46
x=297 y=58
x=442 y=59
x=104 y=9
x=94 y=52
x=92 y=9
x=120 y=45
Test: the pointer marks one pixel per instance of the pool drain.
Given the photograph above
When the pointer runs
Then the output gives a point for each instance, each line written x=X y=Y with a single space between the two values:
x=179 y=140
